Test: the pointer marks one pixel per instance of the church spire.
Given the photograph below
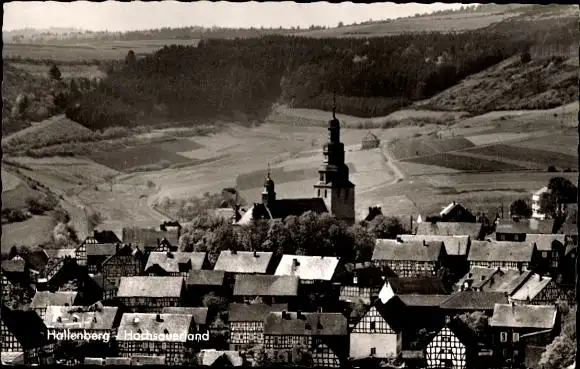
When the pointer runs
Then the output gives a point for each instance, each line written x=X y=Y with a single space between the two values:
x=334 y=104
x=269 y=193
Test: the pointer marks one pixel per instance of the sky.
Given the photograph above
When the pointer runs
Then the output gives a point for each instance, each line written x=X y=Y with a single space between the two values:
x=117 y=16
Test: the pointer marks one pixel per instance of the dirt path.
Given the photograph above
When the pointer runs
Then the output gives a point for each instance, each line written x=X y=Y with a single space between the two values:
x=389 y=162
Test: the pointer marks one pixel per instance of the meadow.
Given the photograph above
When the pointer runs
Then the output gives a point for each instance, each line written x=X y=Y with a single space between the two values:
x=547 y=158
x=138 y=158
x=465 y=163
x=32 y=232
x=408 y=149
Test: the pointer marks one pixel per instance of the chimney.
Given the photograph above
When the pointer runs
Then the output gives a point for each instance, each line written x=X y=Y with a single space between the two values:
x=158 y=318
x=59 y=319
x=94 y=319
x=135 y=320
x=354 y=279
x=169 y=254
x=540 y=277
x=295 y=264
x=255 y=254
x=425 y=243
x=399 y=239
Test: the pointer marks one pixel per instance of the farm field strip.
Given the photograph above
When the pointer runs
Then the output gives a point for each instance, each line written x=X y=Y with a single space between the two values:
x=525 y=164
x=495 y=138
x=540 y=157
x=125 y=159
x=464 y=163
x=32 y=232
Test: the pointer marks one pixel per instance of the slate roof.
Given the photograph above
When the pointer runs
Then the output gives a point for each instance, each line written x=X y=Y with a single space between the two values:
x=14 y=265
x=176 y=326
x=454 y=245
x=149 y=237
x=205 y=278
x=169 y=261
x=450 y=207
x=103 y=283
x=106 y=236
x=243 y=262
x=146 y=286
x=500 y=251
x=308 y=267
x=524 y=316
x=531 y=287
x=101 y=249
x=473 y=230
x=12 y=358
x=544 y=241
x=478 y=276
x=199 y=313
x=415 y=300
x=210 y=356
x=387 y=249
x=283 y=208
x=534 y=226
x=367 y=275
x=252 y=312
x=60 y=253
x=474 y=300
x=394 y=311
x=507 y=281
x=102 y=318
x=417 y=285
x=305 y=324
x=266 y=285
x=43 y=299
x=25 y=325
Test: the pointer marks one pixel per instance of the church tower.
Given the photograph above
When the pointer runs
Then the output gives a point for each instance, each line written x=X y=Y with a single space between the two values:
x=268 y=194
x=334 y=185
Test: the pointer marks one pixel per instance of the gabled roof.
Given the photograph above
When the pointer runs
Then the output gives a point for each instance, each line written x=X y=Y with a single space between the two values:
x=483 y=251
x=43 y=299
x=477 y=276
x=387 y=249
x=106 y=236
x=507 y=281
x=544 y=241
x=210 y=357
x=392 y=309
x=170 y=327
x=16 y=265
x=80 y=317
x=243 y=261
x=417 y=285
x=308 y=267
x=101 y=249
x=252 y=312
x=534 y=226
x=474 y=300
x=305 y=324
x=454 y=245
x=146 y=286
x=199 y=313
x=169 y=261
x=26 y=326
x=266 y=285
x=446 y=210
x=464 y=334
x=149 y=237
x=531 y=287
x=415 y=300
x=524 y=316
x=283 y=208
x=367 y=275
x=473 y=230
x=205 y=278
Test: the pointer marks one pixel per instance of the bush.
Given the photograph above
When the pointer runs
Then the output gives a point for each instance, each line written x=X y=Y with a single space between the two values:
x=14 y=215
x=552 y=169
x=34 y=205
x=61 y=215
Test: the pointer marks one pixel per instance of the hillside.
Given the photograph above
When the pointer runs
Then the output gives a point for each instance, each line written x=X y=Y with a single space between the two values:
x=512 y=85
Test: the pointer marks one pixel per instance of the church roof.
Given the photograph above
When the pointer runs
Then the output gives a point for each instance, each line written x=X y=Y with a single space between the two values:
x=283 y=208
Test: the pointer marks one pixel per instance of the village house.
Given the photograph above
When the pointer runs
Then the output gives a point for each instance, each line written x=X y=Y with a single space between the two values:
x=539 y=290
x=493 y=254
x=105 y=289
x=199 y=315
x=234 y=262
x=96 y=254
x=323 y=334
x=475 y=231
x=15 y=270
x=536 y=197
x=220 y=358
x=516 y=230
x=246 y=323
x=136 y=331
x=455 y=212
x=361 y=282
x=24 y=337
x=427 y=314
x=370 y=141
x=378 y=334
x=469 y=301
x=318 y=275
x=454 y=346
x=150 y=294
x=98 y=238
x=267 y=289
x=175 y=263
x=423 y=285
x=128 y=261
x=43 y=299
x=551 y=248
x=201 y=282
x=511 y=321
x=476 y=278
x=568 y=266
x=150 y=239
x=171 y=226
x=409 y=259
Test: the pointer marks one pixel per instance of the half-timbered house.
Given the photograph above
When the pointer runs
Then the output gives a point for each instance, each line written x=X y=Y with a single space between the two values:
x=539 y=290
x=469 y=301
x=175 y=263
x=15 y=270
x=128 y=261
x=493 y=254
x=361 y=282
x=105 y=289
x=427 y=314
x=97 y=253
x=516 y=230
x=24 y=332
x=475 y=231
x=452 y=347
x=409 y=259
x=511 y=321
x=268 y=289
x=98 y=238
x=551 y=248
x=150 y=294
x=201 y=282
x=234 y=262
x=475 y=278
x=43 y=299
x=246 y=323
x=151 y=239
x=171 y=335
x=318 y=276
x=324 y=334
x=378 y=334
x=199 y=315
x=220 y=358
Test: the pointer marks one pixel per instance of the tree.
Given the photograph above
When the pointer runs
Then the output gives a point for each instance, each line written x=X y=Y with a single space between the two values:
x=476 y=320
x=64 y=235
x=34 y=205
x=386 y=227
x=340 y=24
x=54 y=72
x=61 y=215
x=564 y=190
x=131 y=59
x=94 y=219
x=215 y=303
x=549 y=204
x=521 y=208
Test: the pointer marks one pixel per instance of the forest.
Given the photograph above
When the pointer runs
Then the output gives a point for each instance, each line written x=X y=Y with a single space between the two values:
x=240 y=79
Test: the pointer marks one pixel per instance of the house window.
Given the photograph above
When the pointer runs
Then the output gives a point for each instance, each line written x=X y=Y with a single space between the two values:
x=446 y=339
x=516 y=238
x=502 y=237
x=373 y=326
x=544 y=254
x=373 y=350
x=516 y=337
x=325 y=193
x=503 y=337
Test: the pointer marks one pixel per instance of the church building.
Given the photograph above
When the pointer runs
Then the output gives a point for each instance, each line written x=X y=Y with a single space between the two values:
x=334 y=191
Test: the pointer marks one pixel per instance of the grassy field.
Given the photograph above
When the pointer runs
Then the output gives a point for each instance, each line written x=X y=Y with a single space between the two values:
x=137 y=157
x=32 y=232
x=67 y=71
x=93 y=50
x=546 y=158
x=566 y=144
x=427 y=146
x=464 y=163
x=9 y=181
